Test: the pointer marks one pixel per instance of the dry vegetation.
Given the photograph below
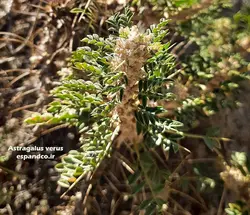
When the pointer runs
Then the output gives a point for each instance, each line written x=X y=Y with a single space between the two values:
x=36 y=41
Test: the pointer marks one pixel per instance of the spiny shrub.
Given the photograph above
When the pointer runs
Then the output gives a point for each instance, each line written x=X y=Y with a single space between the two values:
x=112 y=96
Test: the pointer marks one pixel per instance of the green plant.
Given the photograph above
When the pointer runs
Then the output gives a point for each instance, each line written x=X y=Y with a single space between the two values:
x=166 y=5
x=238 y=208
x=242 y=18
x=88 y=11
x=112 y=96
x=213 y=71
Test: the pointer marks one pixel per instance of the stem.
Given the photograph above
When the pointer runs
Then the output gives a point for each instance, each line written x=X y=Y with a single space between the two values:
x=11 y=172
x=220 y=210
x=145 y=174
x=197 y=136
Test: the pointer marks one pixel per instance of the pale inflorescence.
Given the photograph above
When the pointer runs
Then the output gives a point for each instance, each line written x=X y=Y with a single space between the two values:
x=131 y=53
x=236 y=181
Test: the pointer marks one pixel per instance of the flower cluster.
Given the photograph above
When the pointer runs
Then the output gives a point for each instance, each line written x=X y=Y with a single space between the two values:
x=131 y=53
x=236 y=181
